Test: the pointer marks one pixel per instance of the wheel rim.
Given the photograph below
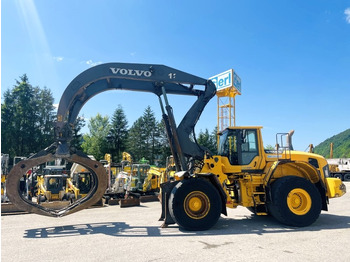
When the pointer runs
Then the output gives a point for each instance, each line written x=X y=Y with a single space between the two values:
x=299 y=201
x=197 y=205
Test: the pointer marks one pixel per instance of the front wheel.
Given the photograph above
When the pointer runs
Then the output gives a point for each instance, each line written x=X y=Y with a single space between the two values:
x=295 y=201
x=195 y=204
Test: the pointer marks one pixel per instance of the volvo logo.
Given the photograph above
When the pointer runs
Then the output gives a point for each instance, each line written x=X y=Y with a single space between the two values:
x=130 y=72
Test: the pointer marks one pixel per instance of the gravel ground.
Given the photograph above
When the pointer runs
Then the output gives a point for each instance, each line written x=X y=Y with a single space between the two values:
x=133 y=234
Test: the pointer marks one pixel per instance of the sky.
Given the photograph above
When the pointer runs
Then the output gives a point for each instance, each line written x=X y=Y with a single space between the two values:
x=293 y=57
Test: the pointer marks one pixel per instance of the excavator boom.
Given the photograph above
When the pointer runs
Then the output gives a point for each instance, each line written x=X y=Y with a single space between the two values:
x=158 y=79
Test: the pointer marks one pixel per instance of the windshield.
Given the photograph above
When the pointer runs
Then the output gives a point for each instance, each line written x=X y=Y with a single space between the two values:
x=84 y=183
x=54 y=184
x=239 y=145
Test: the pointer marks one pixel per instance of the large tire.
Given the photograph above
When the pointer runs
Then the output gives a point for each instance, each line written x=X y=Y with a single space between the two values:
x=41 y=199
x=295 y=201
x=195 y=204
x=340 y=176
x=347 y=177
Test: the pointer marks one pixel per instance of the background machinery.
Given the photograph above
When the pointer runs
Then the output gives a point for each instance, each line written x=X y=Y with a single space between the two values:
x=51 y=188
x=133 y=182
x=143 y=181
x=5 y=159
x=292 y=186
x=339 y=167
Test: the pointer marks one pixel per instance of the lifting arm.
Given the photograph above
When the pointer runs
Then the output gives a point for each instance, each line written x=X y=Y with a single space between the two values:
x=158 y=79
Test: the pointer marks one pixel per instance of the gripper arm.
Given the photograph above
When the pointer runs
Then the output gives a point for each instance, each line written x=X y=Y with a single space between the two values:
x=157 y=79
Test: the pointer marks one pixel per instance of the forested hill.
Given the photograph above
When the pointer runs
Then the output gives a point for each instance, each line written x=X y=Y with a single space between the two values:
x=341 y=145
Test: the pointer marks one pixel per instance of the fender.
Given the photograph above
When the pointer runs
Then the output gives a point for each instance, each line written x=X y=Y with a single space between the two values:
x=306 y=170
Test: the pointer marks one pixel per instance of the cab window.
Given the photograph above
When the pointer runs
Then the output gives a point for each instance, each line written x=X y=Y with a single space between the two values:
x=240 y=146
x=249 y=147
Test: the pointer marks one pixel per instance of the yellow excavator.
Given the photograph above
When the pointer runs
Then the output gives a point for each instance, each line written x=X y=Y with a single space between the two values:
x=291 y=186
x=78 y=186
x=152 y=181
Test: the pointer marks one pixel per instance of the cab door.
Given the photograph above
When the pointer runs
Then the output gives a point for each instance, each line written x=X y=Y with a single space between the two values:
x=241 y=147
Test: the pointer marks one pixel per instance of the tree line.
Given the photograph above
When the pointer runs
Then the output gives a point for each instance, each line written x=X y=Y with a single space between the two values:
x=28 y=117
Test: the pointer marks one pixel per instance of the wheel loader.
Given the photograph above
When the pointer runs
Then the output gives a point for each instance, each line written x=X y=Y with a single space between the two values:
x=291 y=186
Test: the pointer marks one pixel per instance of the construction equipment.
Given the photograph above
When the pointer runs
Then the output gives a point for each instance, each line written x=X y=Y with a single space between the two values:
x=134 y=182
x=82 y=181
x=142 y=182
x=292 y=186
x=137 y=176
x=117 y=176
x=56 y=185
x=152 y=181
x=4 y=171
x=338 y=167
x=51 y=188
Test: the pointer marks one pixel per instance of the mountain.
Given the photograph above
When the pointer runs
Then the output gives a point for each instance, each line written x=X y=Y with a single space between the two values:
x=341 y=145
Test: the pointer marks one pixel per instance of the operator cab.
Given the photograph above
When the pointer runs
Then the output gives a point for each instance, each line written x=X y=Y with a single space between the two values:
x=240 y=145
x=55 y=183
x=83 y=181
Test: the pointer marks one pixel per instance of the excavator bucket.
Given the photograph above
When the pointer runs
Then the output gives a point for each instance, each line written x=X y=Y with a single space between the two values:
x=113 y=202
x=129 y=202
x=149 y=198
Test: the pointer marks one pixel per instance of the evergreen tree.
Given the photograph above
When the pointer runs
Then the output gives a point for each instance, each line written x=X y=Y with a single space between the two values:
x=143 y=138
x=151 y=134
x=163 y=148
x=118 y=134
x=27 y=119
x=44 y=106
x=214 y=140
x=136 y=140
x=208 y=140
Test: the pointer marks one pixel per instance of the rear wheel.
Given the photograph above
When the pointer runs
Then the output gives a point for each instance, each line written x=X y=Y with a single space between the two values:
x=195 y=204
x=295 y=201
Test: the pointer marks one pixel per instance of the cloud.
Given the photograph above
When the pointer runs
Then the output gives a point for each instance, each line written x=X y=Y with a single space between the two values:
x=347 y=15
x=91 y=63
x=58 y=58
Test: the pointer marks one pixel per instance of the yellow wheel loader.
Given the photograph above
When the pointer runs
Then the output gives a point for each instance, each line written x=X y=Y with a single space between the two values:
x=292 y=186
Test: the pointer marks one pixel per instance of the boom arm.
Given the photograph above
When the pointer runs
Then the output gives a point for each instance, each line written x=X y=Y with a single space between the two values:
x=157 y=79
